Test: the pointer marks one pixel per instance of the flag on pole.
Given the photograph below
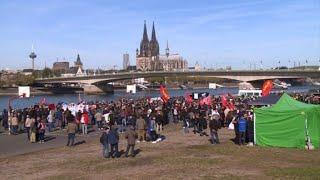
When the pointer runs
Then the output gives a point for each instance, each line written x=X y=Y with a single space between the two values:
x=267 y=87
x=164 y=94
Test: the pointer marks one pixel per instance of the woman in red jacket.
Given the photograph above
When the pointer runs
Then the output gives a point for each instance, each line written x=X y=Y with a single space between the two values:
x=85 y=122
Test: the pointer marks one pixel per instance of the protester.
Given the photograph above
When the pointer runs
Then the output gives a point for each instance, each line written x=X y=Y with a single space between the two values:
x=98 y=117
x=214 y=126
x=152 y=130
x=71 y=130
x=28 y=125
x=141 y=127
x=242 y=129
x=104 y=140
x=50 y=121
x=250 y=130
x=5 y=119
x=42 y=130
x=33 y=130
x=84 y=122
x=131 y=137
x=113 y=139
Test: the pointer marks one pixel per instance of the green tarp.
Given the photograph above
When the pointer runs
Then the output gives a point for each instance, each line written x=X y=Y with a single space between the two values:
x=286 y=124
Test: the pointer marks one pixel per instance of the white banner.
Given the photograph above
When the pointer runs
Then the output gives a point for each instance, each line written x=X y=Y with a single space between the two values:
x=24 y=91
x=131 y=89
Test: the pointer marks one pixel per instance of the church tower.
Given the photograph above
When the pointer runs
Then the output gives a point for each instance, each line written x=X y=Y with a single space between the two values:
x=154 y=45
x=144 y=44
x=167 y=49
x=78 y=63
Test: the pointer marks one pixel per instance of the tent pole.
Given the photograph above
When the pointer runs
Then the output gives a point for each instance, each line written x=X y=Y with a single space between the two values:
x=254 y=128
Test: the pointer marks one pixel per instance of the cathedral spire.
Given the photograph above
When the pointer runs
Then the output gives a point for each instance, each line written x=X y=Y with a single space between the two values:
x=145 y=34
x=153 y=36
x=154 y=45
x=144 y=44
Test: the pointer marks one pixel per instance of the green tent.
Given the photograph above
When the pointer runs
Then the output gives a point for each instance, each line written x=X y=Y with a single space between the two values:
x=288 y=123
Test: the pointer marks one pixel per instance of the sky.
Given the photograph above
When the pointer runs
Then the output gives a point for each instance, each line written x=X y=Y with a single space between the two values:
x=214 y=33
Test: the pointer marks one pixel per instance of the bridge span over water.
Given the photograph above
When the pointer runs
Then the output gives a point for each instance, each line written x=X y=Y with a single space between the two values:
x=239 y=75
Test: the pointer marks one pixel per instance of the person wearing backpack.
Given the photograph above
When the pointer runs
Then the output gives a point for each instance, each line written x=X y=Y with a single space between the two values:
x=214 y=126
x=104 y=140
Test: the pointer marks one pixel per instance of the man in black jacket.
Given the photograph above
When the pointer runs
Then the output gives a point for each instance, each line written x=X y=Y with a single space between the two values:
x=104 y=140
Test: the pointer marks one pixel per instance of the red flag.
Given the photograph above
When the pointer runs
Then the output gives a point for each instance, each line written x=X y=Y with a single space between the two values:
x=206 y=100
x=266 y=88
x=188 y=97
x=224 y=101
x=231 y=106
x=164 y=94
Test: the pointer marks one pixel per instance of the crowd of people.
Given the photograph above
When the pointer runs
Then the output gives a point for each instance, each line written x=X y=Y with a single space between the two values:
x=139 y=120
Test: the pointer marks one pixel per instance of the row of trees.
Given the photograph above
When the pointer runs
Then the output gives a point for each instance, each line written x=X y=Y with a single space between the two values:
x=21 y=79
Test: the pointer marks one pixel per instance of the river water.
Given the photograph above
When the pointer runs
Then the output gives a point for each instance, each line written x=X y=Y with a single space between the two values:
x=68 y=98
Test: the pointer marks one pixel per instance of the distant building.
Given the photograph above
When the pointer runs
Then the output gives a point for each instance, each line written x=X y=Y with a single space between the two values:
x=197 y=67
x=27 y=72
x=62 y=67
x=172 y=62
x=132 y=68
x=148 y=57
x=126 y=61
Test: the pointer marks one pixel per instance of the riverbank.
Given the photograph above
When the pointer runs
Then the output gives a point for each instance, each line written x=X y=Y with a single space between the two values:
x=48 y=91
x=14 y=92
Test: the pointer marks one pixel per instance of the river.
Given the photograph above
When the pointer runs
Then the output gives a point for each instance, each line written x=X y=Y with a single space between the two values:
x=68 y=98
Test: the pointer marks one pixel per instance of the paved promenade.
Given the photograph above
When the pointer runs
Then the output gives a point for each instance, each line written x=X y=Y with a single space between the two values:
x=11 y=145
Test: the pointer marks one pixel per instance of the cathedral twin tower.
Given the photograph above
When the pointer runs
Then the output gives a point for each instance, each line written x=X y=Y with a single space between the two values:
x=148 y=58
x=148 y=48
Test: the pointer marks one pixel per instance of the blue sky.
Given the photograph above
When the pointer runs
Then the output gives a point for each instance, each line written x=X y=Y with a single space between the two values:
x=215 y=33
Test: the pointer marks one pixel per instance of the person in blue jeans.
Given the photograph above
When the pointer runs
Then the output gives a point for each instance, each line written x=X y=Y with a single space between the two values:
x=105 y=143
x=242 y=126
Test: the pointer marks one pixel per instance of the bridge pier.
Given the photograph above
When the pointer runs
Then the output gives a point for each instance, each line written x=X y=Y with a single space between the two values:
x=93 y=89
